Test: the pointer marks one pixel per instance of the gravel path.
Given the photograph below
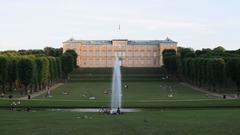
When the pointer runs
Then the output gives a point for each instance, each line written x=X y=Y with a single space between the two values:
x=41 y=92
x=205 y=91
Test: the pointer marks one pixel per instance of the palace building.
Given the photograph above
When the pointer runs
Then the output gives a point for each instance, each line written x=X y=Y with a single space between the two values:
x=132 y=53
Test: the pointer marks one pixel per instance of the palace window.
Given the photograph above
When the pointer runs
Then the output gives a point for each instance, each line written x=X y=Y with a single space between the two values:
x=146 y=62
x=123 y=54
x=85 y=53
x=120 y=54
x=90 y=62
x=130 y=62
x=149 y=62
x=90 y=53
x=155 y=54
x=97 y=62
x=130 y=53
x=155 y=61
x=123 y=62
x=109 y=62
x=103 y=53
x=135 y=53
x=136 y=62
x=109 y=53
x=96 y=53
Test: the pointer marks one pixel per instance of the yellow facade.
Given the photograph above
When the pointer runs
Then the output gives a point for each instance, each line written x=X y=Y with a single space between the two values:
x=132 y=53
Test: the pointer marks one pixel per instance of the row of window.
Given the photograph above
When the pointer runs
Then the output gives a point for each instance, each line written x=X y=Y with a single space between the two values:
x=119 y=47
x=119 y=53
x=123 y=62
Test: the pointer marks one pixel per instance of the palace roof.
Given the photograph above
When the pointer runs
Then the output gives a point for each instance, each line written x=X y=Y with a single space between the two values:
x=130 y=42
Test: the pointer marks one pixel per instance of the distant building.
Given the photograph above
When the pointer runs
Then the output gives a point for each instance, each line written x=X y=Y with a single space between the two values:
x=132 y=53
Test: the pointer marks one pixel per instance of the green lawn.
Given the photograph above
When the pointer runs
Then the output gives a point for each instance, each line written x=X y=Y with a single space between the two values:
x=158 y=122
x=154 y=94
x=182 y=114
x=154 y=90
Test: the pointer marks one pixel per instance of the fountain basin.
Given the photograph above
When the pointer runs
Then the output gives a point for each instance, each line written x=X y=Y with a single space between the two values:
x=92 y=110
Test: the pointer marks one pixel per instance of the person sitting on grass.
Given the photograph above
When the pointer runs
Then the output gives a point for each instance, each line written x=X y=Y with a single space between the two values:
x=2 y=95
x=118 y=111
x=29 y=96
x=10 y=96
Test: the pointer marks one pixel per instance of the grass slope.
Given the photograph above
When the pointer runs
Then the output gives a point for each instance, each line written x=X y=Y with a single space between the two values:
x=135 y=91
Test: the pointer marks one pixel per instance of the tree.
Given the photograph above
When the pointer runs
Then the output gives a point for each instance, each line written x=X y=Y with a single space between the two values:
x=4 y=62
x=169 y=52
x=55 y=52
x=219 y=49
x=189 y=55
x=12 y=72
x=233 y=66
x=45 y=71
x=51 y=75
x=74 y=54
x=67 y=64
x=218 y=71
x=59 y=67
x=49 y=51
x=40 y=72
x=210 y=77
x=26 y=71
x=186 y=52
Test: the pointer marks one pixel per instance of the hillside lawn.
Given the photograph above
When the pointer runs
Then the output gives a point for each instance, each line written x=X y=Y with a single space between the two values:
x=154 y=90
x=150 y=94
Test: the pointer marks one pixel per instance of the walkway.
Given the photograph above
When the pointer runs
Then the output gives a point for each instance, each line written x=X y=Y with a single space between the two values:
x=205 y=91
x=41 y=92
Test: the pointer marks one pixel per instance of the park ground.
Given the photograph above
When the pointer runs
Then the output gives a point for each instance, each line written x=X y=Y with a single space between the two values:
x=148 y=122
x=167 y=108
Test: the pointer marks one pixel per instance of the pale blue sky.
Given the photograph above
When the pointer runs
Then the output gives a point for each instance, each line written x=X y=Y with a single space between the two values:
x=34 y=24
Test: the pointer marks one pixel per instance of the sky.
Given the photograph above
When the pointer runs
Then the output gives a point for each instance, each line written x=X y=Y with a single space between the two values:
x=35 y=24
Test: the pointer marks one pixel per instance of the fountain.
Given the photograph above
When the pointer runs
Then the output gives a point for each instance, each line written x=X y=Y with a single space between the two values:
x=116 y=98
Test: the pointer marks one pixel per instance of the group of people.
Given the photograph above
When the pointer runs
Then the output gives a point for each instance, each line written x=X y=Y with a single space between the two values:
x=9 y=96
x=109 y=111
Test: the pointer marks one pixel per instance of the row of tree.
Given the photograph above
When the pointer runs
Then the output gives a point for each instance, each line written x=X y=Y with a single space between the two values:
x=213 y=69
x=33 y=71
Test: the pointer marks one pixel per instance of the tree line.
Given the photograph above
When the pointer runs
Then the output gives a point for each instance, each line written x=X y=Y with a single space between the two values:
x=215 y=70
x=34 y=70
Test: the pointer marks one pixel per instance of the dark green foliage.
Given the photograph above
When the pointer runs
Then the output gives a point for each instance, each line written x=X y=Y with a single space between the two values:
x=55 y=52
x=4 y=63
x=171 y=61
x=26 y=71
x=67 y=63
x=74 y=54
x=40 y=71
x=233 y=70
x=189 y=55
x=186 y=52
x=52 y=69
x=219 y=70
x=59 y=67
x=34 y=71
x=214 y=69
x=45 y=70
x=171 y=64
x=12 y=71
x=169 y=52
x=219 y=49
x=199 y=71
